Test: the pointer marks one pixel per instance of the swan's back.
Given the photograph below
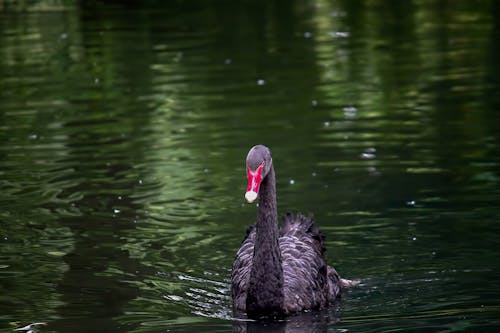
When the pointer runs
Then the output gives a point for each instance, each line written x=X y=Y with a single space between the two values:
x=308 y=282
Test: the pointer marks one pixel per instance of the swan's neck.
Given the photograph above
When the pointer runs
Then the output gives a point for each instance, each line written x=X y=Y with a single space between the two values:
x=265 y=293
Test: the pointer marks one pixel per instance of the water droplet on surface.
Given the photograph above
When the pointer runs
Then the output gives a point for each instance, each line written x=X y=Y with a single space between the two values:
x=96 y=80
x=337 y=34
x=411 y=203
x=337 y=13
x=367 y=156
x=228 y=61
x=140 y=181
x=350 y=111
x=326 y=124
x=33 y=136
x=116 y=211
x=119 y=197
x=261 y=82
x=307 y=34
x=292 y=181
x=314 y=102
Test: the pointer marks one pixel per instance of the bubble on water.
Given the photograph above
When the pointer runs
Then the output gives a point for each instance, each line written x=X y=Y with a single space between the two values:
x=228 y=61
x=116 y=211
x=96 y=80
x=33 y=136
x=63 y=35
x=326 y=123
x=337 y=34
x=313 y=174
x=119 y=197
x=367 y=156
x=337 y=13
x=350 y=111
x=292 y=181
x=314 y=102
x=308 y=34
x=261 y=82
x=140 y=181
x=411 y=203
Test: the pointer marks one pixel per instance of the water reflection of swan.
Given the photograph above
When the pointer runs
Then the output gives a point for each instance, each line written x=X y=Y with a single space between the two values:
x=279 y=272
x=316 y=321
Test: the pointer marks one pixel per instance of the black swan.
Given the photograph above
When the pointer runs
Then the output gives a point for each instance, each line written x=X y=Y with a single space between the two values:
x=278 y=272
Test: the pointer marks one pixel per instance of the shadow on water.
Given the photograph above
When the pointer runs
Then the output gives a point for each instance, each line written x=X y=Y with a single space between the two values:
x=91 y=294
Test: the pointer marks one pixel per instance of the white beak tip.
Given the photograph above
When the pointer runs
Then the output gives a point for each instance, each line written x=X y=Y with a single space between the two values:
x=250 y=196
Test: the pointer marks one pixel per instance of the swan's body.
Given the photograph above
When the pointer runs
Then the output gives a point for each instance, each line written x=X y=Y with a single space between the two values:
x=278 y=272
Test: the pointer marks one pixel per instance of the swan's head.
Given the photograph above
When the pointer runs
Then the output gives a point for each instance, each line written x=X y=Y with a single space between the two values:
x=259 y=162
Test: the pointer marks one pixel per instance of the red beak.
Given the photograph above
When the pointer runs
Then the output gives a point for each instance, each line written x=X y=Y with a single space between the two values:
x=254 y=180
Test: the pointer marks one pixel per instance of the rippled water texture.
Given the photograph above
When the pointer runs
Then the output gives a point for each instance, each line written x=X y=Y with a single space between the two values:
x=123 y=132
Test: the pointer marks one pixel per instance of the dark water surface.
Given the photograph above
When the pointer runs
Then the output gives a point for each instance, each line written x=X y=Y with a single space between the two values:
x=123 y=134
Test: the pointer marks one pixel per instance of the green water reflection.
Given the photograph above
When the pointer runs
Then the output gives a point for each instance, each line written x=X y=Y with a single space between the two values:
x=123 y=132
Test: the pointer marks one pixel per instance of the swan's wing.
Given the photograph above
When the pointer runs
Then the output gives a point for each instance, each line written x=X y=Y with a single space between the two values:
x=304 y=226
x=306 y=275
x=242 y=266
